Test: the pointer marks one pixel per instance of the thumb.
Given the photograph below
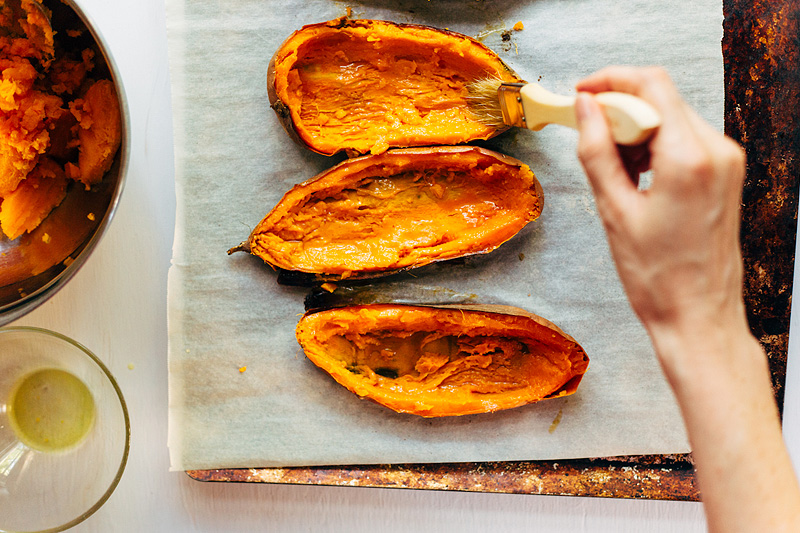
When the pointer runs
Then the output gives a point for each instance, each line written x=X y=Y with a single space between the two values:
x=598 y=153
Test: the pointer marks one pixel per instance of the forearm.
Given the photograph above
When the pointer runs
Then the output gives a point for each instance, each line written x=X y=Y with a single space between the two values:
x=720 y=376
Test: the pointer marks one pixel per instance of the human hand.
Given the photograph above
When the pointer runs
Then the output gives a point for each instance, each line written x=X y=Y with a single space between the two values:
x=676 y=244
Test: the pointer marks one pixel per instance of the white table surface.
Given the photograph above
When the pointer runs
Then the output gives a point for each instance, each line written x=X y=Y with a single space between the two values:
x=116 y=306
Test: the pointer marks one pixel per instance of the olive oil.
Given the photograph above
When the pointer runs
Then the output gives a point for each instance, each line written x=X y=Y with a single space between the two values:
x=51 y=410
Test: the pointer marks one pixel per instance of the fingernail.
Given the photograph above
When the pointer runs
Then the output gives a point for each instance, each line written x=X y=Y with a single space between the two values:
x=584 y=107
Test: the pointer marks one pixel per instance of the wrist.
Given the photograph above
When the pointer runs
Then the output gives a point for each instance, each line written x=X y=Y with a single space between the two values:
x=712 y=350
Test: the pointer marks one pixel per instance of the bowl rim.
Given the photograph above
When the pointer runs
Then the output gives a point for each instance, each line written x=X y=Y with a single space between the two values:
x=14 y=310
x=126 y=451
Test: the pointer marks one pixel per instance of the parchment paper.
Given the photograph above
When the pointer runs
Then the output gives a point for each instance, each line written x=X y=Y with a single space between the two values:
x=234 y=162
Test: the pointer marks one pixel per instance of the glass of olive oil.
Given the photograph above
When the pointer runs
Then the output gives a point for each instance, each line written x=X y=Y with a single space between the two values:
x=64 y=431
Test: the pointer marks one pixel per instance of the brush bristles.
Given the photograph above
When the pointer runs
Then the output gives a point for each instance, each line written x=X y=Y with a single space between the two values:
x=484 y=103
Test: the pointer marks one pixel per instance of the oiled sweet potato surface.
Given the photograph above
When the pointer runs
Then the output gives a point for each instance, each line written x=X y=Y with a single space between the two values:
x=400 y=209
x=442 y=362
x=367 y=85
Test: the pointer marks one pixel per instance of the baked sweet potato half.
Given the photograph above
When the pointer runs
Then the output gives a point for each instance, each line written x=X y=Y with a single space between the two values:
x=369 y=85
x=443 y=361
x=379 y=214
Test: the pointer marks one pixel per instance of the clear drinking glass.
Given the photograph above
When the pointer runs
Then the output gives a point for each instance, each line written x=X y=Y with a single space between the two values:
x=64 y=431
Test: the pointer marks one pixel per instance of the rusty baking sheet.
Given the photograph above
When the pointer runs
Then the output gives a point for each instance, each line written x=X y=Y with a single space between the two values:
x=635 y=477
x=761 y=55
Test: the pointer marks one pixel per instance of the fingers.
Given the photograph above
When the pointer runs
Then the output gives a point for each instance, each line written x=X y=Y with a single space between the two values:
x=683 y=140
x=636 y=160
x=652 y=84
x=598 y=154
x=688 y=156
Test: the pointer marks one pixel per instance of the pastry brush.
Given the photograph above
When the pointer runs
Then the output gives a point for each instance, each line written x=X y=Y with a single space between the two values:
x=529 y=105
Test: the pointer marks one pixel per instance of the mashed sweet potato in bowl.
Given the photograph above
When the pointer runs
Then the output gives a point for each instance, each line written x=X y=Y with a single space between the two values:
x=63 y=149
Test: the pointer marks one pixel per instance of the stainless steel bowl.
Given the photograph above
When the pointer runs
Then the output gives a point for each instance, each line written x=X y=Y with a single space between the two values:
x=36 y=265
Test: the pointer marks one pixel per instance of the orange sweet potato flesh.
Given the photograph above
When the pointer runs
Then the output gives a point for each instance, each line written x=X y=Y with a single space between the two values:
x=25 y=208
x=28 y=25
x=443 y=361
x=100 y=131
x=401 y=209
x=369 y=85
x=25 y=116
x=56 y=110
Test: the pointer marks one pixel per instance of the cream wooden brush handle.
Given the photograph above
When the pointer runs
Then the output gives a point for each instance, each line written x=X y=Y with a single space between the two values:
x=632 y=120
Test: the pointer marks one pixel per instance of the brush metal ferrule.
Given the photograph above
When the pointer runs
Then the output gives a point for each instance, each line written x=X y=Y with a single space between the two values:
x=511 y=104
